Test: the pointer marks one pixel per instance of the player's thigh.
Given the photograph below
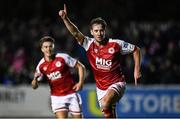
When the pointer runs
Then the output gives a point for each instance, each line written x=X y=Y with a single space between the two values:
x=117 y=91
x=75 y=107
x=59 y=104
x=61 y=114
x=109 y=98
x=114 y=93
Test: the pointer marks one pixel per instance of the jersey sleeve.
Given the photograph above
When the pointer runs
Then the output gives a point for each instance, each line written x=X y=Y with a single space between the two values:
x=71 y=62
x=126 y=48
x=39 y=72
x=87 y=42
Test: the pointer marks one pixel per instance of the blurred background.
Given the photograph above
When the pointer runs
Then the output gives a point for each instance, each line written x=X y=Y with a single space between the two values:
x=153 y=25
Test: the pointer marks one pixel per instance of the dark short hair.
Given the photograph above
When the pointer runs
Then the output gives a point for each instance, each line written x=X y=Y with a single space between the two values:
x=98 y=20
x=46 y=39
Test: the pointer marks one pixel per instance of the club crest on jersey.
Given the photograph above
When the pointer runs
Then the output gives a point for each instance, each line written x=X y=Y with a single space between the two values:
x=58 y=64
x=96 y=50
x=111 y=50
x=44 y=68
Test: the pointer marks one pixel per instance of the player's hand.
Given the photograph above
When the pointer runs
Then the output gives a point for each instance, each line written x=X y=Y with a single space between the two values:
x=137 y=76
x=63 y=13
x=34 y=84
x=77 y=87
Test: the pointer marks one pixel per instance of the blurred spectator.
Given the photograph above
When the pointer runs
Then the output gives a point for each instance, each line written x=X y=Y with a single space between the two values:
x=22 y=27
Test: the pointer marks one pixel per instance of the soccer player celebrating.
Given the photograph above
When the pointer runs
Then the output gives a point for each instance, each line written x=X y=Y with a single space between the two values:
x=55 y=67
x=104 y=55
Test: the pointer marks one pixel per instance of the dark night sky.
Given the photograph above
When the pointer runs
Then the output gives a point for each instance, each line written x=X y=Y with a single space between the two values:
x=138 y=10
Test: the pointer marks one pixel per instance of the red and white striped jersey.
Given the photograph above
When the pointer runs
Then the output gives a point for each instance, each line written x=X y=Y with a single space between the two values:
x=57 y=72
x=105 y=60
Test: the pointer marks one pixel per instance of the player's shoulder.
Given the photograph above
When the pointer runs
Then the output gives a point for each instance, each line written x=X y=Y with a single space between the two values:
x=89 y=38
x=115 y=40
x=62 y=55
x=42 y=60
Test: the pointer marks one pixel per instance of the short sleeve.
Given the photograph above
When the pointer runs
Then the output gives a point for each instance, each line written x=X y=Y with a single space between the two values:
x=87 y=42
x=126 y=47
x=39 y=71
x=71 y=62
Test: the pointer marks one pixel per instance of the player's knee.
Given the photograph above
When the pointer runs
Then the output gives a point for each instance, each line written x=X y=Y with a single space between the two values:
x=77 y=116
x=107 y=113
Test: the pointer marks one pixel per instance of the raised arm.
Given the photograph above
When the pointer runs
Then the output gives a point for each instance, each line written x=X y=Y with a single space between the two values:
x=70 y=26
x=81 y=72
x=137 y=62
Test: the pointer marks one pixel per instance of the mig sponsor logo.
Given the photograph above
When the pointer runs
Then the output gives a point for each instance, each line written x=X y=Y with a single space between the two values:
x=103 y=63
x=54 y=75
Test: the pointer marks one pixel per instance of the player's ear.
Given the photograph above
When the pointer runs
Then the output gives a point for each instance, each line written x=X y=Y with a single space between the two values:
x=42 y=49
x=91 y=32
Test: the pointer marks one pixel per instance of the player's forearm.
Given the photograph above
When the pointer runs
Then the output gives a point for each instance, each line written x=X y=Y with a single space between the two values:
x=73 y=30
x=70 y=26
x=81 y=72
x=137 y=59
x=81 y=75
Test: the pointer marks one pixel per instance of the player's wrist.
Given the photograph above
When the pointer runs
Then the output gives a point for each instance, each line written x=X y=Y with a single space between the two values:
x=65 y=18
x=81 y=82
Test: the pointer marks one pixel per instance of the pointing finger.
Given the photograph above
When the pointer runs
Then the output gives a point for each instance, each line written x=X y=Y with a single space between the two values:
x=65 y=9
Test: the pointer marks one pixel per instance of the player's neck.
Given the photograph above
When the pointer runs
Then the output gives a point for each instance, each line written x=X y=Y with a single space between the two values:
x=49 y=58
x=102 y=43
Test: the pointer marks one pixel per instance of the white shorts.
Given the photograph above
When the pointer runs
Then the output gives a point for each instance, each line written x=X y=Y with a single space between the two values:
x=71 y=103
x=118 y=87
